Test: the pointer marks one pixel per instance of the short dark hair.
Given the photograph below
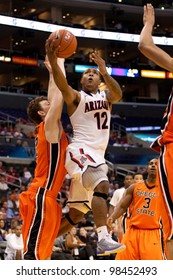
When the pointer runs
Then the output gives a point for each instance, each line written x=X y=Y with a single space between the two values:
x=33 y=108
x=92 y=68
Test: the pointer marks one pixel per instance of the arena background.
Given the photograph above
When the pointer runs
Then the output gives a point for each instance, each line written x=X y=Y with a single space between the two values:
x=23 y=75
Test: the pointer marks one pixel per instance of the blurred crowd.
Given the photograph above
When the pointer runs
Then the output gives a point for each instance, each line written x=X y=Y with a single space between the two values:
x=118 y=137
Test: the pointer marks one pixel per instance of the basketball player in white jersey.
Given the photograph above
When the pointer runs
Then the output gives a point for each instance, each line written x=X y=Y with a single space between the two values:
x=89 y=112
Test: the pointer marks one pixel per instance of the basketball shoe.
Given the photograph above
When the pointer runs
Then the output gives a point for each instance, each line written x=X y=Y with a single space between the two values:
x=107 y=246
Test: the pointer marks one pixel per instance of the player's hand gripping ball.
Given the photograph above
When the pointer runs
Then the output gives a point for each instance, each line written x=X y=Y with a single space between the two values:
x=65 y=41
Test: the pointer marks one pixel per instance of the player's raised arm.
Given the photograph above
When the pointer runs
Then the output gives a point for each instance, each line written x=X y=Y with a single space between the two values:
x=115 y=93
x=68 y=93
x=56 y=101
x=146 y=44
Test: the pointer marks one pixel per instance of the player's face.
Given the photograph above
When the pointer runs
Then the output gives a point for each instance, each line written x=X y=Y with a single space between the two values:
x=18 y=230
x=152 y=166
x=138 y=178
x=90 y=80
x=45 y=106
x=128 y=181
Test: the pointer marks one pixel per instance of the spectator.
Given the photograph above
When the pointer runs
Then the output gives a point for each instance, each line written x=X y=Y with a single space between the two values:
x=3 y=231
x=111 y=190
x=12 y=172
x=2 y=167
x=3 y=184
x=3 y=214
x=85 y=223
x=73 y=243
x=3 y=241
x=18 y=143
x=9 y=211
x=14 y=245
x=3 y=188
x=18 y=133
x=10 y=203
x=128 y=180
x=27 y=174
x=59 y=251
x=13 y=224
x=6 y=133
x=88 y=251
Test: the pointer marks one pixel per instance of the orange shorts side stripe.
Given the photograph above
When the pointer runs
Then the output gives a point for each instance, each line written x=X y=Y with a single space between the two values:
x=43 y=216
x=165 y=181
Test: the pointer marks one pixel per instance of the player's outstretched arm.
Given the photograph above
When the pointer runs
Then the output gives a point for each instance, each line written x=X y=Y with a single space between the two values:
x=52 y=125
x=52 y=87
x=146 y=43
x=68 y=93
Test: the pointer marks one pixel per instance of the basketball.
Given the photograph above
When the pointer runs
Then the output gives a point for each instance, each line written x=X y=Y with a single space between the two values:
x=66 y=41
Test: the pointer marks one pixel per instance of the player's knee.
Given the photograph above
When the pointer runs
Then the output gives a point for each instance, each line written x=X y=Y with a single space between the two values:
x=102 y=190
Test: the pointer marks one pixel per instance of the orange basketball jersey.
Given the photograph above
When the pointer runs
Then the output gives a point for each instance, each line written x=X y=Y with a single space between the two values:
x=40 y=212
x=50 y=161
x=144 y=236
x=146 y=212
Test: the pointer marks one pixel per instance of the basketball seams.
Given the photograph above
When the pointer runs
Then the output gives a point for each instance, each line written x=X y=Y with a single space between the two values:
x=57 y=35
x=61 y=36
x=68 y=46
x=69 y=43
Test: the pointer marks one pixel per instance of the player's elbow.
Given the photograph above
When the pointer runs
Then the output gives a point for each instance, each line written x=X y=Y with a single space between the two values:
x=145 y=49
x=116 y=98
x=142 y=46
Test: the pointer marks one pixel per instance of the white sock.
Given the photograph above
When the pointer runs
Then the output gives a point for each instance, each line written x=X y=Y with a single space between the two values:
x=102 y=231
x=91 y=258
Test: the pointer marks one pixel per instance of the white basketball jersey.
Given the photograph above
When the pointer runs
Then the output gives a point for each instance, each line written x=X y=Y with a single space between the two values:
x=91 y=121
